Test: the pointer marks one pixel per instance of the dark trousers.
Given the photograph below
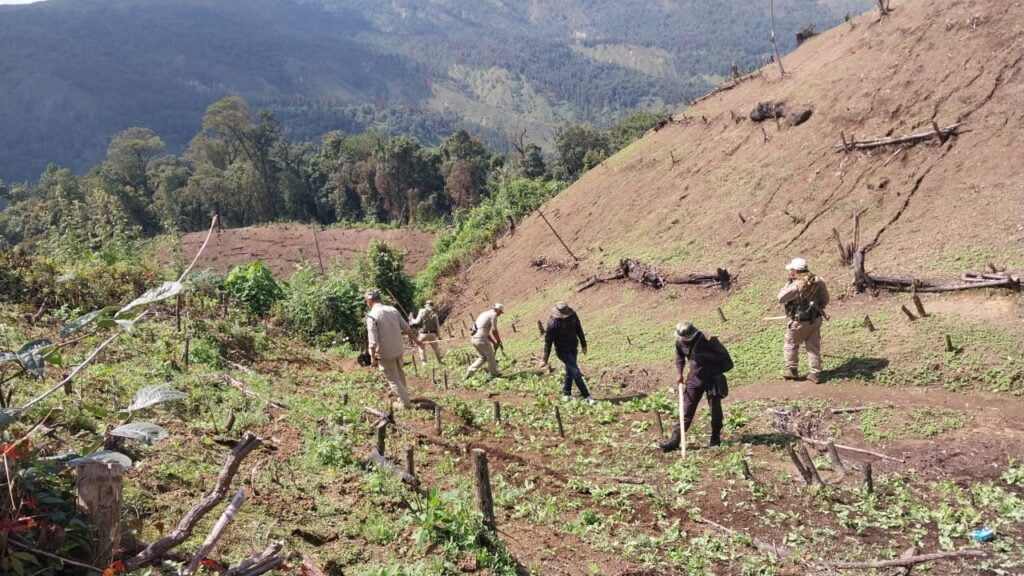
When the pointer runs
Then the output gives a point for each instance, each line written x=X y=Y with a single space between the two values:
x=691 y=398
x=572 y=374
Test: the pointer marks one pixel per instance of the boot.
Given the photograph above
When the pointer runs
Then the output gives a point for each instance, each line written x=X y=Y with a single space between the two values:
x=815 y=377
x=790 y=374
x=672 y=443
x=715 y=441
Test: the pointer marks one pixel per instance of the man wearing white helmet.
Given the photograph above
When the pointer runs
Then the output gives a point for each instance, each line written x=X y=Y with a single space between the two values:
x=805 y=297
x=486 y=339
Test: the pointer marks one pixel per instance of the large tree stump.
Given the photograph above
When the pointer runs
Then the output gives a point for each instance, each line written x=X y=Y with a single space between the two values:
x=99 y=492
x=485 y=500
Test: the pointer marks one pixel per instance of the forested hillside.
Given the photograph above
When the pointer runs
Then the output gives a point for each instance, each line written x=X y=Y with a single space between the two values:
x=76 y=72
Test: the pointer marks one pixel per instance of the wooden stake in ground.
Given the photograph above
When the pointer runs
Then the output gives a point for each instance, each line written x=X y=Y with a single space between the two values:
x=558 y=420
x=497 y=411
x=837 y=462
x=775 y=47
x=484 y=499
x=410 y=461
x=721 y=315
x=869 y=481
x=809 y=464
x=868 y=324
x=98 y=488
x=682 y=424
x=382 y=432
x=564 y=245
x=657 y=422
x=437 y=419
x=920 y=306
x=909 y=314
x=949 y=344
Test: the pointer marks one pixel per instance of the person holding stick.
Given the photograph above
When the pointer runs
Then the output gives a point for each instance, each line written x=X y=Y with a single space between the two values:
x=486 y=340
x=709 y=361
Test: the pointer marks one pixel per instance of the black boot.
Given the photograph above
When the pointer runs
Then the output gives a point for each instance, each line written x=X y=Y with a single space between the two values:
x=715 y=441
x=672 y=443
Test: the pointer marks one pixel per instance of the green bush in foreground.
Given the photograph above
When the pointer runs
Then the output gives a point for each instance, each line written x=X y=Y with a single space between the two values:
x=323 y=310
x=253 y=285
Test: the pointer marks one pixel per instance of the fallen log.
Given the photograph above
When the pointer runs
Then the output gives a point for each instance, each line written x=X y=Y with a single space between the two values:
x=268 y=560
x=913 y=560
x=648 y=275
x=941 y=133
x=597 y=280
x=727 y=86
x=862 y=280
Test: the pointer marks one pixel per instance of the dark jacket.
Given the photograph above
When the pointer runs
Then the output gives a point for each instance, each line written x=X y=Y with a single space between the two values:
x=564 y=333
x=708 y=359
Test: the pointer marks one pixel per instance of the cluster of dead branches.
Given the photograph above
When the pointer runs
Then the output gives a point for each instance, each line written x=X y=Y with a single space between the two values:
x=970 y=280
x=648 y=275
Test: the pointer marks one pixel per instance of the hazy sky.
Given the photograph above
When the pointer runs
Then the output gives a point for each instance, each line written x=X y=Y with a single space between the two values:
x=19 y=1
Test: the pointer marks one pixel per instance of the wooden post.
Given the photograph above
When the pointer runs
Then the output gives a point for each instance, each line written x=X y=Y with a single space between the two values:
x=558 y=419
x=446 y=379
x=433 y=376
x=775 y=48
x=659 y=424
x=564 y=245
x=484 y=499
x=869 y=481
x=410 y=463
x=868 y=324
x=514 y=331
x=721 y=315
x=99 y=491
x=799 y=465
x=316 y=241
x=344 y=399
x=437 y=419
x=811 y=468
x=742 y=219
x=909 y=314
x=231 y=421
x=177 y=313
x=949 y=344
x=746 y=470
x=497 y=411
x=837 y=462
x=382 y=432
x=463 y=332
x=184 y=355
x=920 y=306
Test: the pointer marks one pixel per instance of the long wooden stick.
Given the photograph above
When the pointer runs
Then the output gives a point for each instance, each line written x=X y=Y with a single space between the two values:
x=966 y=553
x=682 y=422
x=950 y=130
x=218 y=530
x=188 y=523
x=564 y=245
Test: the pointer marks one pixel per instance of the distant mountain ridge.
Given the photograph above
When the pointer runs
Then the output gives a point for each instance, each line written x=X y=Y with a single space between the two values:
x=75 y=72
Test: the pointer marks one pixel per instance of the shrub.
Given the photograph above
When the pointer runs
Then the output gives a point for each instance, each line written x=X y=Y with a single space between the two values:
x=253 y=285
x=381 y=268
x=320 y=310
x=475 y=228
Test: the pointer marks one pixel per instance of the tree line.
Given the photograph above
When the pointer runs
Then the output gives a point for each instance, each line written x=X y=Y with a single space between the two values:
x=242 y=168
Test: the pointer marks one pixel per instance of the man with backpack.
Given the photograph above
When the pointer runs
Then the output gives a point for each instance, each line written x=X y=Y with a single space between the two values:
x=805 y=297
x=486 y=340
x=709 y=361
x=564 y=331
x=428 y=325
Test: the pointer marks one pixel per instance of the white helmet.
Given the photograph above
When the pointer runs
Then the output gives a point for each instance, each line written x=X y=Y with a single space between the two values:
x=798 y=264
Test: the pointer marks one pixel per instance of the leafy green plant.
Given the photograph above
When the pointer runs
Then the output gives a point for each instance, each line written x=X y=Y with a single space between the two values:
x=253 y=285
x=323 y=309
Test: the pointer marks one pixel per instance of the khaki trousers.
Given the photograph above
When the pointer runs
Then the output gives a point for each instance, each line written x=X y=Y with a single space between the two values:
x=431 y=339
x=395 y=375
x=808 y=334
x=485 y=354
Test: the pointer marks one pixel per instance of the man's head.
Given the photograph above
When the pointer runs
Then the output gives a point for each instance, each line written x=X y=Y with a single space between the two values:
x=372 y=297
x=687 y=332
x=562 y=310
x=498 y=308
x=796 y=267
x=429 y=304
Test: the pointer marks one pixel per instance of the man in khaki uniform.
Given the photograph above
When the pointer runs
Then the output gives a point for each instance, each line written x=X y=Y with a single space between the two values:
x=428 y=325
x=385 y=327
x=486 y=339
x=805 y=297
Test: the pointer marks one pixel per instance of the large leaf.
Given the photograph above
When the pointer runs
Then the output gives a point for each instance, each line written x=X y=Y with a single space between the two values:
x=165 y=291
x=142 y=431
x=85 y=321
x=8 y=357
x=155 y=394
x=31 y=356
x=103 y=456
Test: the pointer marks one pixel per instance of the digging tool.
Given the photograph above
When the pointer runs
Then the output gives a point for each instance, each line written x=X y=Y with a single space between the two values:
x=773 y=318
x=682 y=423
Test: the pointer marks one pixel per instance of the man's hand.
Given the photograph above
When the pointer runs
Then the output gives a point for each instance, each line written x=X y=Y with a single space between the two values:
x=680 y=380
x=584 y=350
x=373 y=360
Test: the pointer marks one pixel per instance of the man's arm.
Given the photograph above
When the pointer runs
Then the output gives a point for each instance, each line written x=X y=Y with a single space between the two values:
x=680 y=361
x=548 y=340
x=581 y=335
x=824 y=295
x=788 y=292
x=372 y=336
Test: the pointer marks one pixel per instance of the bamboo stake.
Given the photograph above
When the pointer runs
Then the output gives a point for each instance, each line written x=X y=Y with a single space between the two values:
x=564 y=245
x=682 y=424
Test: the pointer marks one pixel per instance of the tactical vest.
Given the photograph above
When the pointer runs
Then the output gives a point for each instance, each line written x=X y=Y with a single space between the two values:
x=429 y=323
x=808 y=291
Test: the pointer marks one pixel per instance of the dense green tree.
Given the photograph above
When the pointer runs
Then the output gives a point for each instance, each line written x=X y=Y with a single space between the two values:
x=632 y=127
x=532 y=164
x=573 y=143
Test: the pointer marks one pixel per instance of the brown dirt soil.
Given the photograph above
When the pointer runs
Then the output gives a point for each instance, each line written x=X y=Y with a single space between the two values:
x=935 y=210
x=282 y=246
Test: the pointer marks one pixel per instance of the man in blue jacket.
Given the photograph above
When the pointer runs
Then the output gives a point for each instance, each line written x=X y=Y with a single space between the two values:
x=709 y=361
x=564 y=331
